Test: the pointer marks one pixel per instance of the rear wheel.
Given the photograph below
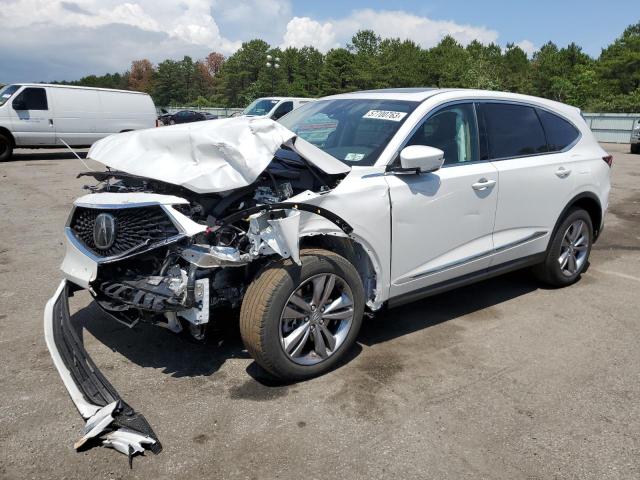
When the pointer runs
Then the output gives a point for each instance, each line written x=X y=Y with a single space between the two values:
x=635 y=148
x=568 y=252
x=297 y=322
x=6 y=147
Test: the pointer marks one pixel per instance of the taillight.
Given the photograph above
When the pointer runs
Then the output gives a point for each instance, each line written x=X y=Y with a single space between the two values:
x=608 y=159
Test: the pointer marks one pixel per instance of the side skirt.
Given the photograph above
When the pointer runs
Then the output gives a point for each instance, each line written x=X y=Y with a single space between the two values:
x=467 y=279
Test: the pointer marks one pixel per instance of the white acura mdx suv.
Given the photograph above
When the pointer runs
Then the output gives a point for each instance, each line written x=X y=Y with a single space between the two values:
x=349 y=203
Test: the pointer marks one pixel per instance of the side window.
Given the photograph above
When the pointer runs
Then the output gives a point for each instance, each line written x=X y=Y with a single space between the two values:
x=283 y=109
x=453 y=130
x=32 y=99
x=512 y=130
x=560 y=133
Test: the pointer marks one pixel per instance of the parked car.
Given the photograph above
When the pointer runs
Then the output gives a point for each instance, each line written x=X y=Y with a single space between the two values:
x=346 y=205
x=635 y=137
x=274 y=107
x=186 y=116
x=43 y=116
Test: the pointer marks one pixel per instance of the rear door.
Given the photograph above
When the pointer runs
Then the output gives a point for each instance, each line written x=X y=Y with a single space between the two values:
x=535 y=174
x=31 y=117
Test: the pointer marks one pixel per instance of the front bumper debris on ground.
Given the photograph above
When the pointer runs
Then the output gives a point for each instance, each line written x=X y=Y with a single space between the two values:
x=110 y=421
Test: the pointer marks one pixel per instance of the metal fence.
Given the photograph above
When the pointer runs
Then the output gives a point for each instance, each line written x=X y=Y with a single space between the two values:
x=612 y=127
x=607 y=127
x=221 y=112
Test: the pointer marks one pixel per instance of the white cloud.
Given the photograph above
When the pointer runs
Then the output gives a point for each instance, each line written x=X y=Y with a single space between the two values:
x=66 y=39
x=303 y=31
x=386 y=23
x=249 y=19
x=527 y=46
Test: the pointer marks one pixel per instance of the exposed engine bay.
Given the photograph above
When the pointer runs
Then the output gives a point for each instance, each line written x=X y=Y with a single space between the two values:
x=151 y=271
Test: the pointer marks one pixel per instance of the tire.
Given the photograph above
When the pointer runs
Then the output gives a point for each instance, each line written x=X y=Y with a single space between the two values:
x=635 y=148
x=564 y=246
x=172 y=122
x=6 y=147
x=265 y=326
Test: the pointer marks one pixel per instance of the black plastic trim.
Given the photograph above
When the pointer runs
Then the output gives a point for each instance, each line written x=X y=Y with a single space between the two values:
x=467 y=279
x=323 y=212
x=94 y=386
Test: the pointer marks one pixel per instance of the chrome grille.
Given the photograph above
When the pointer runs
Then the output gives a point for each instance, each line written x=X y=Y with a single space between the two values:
x=133 y=227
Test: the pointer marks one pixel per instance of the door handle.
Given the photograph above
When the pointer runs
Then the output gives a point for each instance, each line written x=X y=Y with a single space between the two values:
x=483 y=184
x=563 y=172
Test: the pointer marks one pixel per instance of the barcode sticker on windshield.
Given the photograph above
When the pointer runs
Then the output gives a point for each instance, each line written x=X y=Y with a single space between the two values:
x=385 y=115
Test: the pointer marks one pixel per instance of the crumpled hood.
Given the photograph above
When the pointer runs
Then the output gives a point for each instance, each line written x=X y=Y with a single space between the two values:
x=207 y=157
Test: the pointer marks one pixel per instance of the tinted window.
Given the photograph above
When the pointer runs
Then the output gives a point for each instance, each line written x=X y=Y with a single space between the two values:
x=512 y=130
x=560 y=133
x=33 y=99
x=452 y=130
x=282 y=109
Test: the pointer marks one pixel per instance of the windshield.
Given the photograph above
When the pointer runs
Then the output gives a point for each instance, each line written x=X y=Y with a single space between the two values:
x=6 y=92
x=261 y=106
x=354 y=131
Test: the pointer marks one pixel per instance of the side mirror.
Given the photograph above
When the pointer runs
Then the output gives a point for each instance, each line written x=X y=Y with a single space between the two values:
x=421 y=158
x=19 y=104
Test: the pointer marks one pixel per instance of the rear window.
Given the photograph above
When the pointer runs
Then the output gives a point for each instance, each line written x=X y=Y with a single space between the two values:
x=560 y=133
x=511 y=131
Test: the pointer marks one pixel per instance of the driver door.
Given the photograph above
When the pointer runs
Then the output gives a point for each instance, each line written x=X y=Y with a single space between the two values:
x=442 y=222
x=31 y=118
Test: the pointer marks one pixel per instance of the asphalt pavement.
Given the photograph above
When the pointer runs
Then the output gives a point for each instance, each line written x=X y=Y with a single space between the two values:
x=502 y=379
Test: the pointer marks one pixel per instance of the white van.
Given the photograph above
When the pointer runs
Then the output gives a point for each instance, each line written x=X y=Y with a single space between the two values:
x=34 y=115
x=274 y=107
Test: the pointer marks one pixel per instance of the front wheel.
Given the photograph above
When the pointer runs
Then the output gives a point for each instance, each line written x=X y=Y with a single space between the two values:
x=298 y=322
x=6 y=148
x=568 y=251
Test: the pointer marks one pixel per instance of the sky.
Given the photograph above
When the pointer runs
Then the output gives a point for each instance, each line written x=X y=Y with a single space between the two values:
x=44 y=40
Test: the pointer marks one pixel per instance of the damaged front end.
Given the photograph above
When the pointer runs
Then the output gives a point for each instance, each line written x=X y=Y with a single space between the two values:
x=156 y=252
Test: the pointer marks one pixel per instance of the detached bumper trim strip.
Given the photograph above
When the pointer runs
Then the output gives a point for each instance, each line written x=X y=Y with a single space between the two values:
x=87 y=386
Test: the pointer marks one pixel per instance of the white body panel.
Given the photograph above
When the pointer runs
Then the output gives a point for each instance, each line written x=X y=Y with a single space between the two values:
x=296 y=101
x=441 y=226
x=76 y=115
x=207 y=157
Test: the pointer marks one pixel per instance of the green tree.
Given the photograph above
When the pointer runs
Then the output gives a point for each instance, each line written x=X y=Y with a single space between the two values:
x=446 y=64
x=619 y=63
x=365 y=47
x=337 y=75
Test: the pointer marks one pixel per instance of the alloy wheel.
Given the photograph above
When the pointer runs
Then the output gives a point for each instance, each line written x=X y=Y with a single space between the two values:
x=316 y=319
x=574 y=248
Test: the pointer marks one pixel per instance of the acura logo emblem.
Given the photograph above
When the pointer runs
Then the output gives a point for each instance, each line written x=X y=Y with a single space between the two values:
x=104 y=231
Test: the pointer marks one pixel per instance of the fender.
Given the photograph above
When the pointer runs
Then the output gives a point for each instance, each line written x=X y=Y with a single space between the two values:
x=582 y=196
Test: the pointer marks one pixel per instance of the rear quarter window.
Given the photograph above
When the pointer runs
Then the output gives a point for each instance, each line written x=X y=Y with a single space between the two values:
x=560 y=133
x=511 y=130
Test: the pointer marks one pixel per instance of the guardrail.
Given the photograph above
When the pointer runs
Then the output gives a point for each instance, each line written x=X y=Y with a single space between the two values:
x=221 y=112
x=612 y=127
